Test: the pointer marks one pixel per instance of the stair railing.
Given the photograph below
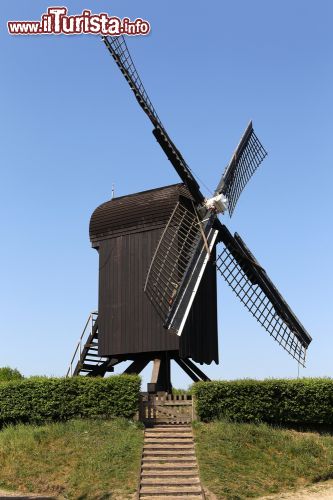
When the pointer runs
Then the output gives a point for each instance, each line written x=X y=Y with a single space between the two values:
x=87 y=331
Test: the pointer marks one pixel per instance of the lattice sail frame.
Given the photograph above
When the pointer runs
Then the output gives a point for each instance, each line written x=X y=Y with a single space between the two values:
x=178 y=265
x=256 y=291
x=118 y=49
x=244 y=162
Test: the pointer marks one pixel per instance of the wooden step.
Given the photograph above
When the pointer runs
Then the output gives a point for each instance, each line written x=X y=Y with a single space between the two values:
x=170 y=428
x=168 y=435
x=170 y=481
x=168 y=420
x=193 y=472
x=171 y=444
x=170 y=490
x=168 y=453
x=164 y=432
x=168 y=446
x=170 y=497
x=179 y=459
x=180 y=438
x=169 y=466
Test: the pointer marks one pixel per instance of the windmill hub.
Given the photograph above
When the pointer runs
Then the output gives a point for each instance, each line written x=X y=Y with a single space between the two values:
x=217 y=204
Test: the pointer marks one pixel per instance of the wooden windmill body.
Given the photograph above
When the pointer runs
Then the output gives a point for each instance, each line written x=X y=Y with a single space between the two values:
x=125 y=231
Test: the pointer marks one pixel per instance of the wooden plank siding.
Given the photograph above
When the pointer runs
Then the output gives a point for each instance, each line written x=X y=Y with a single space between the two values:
x=125 y=231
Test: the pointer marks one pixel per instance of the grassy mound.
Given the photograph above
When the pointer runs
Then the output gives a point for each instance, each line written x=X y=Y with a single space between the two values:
x=239 y=461
x=100 y=459
x=75 y=459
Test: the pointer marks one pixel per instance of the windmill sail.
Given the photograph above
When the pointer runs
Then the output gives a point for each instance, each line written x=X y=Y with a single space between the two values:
x=184 y=247
x=256 y=291
x=118 y=49
x=244 y=162
x=178 y=266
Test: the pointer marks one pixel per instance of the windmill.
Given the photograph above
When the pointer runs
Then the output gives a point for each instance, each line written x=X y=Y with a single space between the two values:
x=168 y=310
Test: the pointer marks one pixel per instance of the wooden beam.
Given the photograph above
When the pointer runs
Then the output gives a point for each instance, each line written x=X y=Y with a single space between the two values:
x=101 y=370
x=137 y=366
x=196 y=370
x=187 y=370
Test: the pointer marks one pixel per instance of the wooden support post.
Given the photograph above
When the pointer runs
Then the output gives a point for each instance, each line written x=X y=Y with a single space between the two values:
x=187 y=370
x=155 y=372
x=161 y=377
x=163 y=383
x=152 y=386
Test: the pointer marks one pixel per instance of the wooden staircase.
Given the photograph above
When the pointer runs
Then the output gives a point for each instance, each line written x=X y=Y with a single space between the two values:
x=86 y=360
x=169 y=467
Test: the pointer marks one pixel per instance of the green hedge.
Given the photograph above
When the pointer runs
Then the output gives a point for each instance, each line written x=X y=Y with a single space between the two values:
x=7 y=373
x=51 y=399
x=284 y=402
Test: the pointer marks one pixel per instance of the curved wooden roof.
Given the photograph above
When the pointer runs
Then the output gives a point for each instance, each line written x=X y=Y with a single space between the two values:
x=135 y=212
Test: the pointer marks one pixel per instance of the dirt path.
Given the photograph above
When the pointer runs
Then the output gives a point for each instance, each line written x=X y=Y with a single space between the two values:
x=321 y=491
x=26 y=496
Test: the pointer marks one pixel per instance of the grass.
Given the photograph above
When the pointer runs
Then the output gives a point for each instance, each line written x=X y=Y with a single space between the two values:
x=239 y=461
x=100 y=459
x=81 y=459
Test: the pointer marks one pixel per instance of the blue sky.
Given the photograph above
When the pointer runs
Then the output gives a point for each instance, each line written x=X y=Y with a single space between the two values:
x=70 y=128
